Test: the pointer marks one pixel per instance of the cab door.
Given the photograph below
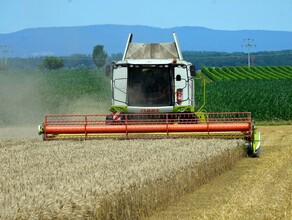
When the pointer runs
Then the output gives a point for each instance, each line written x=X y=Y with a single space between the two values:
x=119 y=86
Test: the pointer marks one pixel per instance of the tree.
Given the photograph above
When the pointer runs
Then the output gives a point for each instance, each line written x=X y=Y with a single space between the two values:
x=99 y=56
x=53 y=63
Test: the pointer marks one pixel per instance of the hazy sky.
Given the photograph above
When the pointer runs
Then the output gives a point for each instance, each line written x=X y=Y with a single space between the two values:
x=16 y=15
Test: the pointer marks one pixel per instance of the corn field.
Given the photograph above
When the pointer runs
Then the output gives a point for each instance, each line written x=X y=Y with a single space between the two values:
x=245 y=73
x=265 y=91
x=105 y=179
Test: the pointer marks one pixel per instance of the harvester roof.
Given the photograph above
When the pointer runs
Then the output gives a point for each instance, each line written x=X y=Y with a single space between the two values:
x=168 y=50
x=152 y=51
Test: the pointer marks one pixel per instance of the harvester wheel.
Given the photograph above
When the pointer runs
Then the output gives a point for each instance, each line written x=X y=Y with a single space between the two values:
x=257 y=153
x=43 y=137
x=248 y=149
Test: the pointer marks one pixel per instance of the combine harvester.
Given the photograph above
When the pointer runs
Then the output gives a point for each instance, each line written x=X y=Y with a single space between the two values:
x=153 y=97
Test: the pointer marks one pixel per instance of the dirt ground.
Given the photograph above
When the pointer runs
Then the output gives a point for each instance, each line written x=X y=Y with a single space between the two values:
x=256 y=188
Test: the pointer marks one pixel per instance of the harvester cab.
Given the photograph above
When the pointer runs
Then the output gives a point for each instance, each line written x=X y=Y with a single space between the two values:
x=152 y=78
x=153 y=96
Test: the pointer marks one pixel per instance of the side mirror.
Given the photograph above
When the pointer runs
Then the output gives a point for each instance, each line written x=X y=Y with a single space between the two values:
x=107 y=70
x=193 y=70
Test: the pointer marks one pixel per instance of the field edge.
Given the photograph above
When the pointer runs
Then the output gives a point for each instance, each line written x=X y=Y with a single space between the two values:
x=136 y=202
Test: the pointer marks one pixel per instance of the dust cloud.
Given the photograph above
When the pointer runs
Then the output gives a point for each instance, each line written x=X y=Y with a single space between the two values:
x=18 y=97
x=26 y=97
x=85 y=105
x=20 y=104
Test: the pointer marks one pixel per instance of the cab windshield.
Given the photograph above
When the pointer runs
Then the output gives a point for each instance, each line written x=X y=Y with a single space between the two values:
x=149 y=86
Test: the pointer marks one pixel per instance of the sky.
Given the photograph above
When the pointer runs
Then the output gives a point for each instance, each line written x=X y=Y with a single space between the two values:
x=16 y=15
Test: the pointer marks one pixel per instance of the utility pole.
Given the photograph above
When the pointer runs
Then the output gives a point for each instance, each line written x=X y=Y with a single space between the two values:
x=248 y=44
x=5 y=50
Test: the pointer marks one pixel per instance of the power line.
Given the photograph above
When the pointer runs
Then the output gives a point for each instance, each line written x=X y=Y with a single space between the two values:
x=248 y=44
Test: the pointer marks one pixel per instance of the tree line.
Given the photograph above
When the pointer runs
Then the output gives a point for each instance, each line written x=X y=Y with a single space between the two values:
x=99 y=58
x=221 y=59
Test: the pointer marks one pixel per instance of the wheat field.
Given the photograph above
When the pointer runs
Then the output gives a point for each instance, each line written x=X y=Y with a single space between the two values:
x=255 y=188
x=105 y=179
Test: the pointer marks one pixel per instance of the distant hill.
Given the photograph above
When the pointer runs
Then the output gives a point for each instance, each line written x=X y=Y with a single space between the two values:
x=64 y=41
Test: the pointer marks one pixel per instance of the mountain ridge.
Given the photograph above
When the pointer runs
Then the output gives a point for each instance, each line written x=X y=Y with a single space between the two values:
x=64 y=41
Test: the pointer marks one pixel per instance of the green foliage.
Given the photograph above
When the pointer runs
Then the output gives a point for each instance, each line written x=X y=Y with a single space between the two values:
x=266 y=92
x=53 y=63
x=245 y=73
x=266 y=99
x=99 y=56
x=209 y=73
